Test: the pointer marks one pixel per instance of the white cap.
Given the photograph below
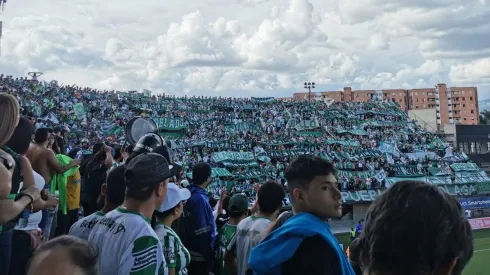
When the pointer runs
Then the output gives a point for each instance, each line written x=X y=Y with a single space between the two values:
x=184 y=183
x=173 y=197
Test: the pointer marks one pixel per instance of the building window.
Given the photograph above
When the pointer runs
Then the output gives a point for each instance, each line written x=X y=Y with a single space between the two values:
x=472 y=111
x=471 y=98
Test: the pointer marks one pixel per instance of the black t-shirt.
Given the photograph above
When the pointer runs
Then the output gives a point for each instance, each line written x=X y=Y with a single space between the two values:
x=313 y=256
x=94 y=176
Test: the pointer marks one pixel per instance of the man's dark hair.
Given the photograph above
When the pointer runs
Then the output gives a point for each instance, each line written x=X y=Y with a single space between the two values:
x=226 y=203
x=57 y=129
x=201 y=173
x=96 y=148
x=270 y=196
x=129 y=149
x=304 y=169
x=117 y=152
x=21 y=138
x=82 y=253
x=41 y=135
x=116 y=187
x=415 y=228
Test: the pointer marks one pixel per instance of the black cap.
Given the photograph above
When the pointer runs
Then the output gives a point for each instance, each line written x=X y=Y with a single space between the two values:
x=145 y=170
x=148 y=143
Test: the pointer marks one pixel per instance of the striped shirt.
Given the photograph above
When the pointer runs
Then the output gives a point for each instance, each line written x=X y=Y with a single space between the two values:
x=176 y=255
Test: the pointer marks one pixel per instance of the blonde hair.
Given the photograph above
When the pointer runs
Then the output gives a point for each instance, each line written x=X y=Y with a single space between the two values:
x=9 y=116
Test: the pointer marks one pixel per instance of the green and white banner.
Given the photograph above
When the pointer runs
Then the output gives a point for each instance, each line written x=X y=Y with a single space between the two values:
x=262 y=99
x=170 y=124
x=233 y=156
x=302 y=124
x=352 y=197
x=79 y=111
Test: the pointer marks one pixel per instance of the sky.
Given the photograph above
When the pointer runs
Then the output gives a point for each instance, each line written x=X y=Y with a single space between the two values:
x=246 y=48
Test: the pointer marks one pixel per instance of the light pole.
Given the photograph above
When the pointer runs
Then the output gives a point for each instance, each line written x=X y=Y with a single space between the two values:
x=309 y=86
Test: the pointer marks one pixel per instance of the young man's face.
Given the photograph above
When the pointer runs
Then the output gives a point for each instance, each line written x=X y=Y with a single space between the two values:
x=323 y=198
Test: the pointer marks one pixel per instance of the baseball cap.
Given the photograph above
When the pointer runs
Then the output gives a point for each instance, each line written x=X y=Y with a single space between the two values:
x=173 y=197
x=145 y=170
x=238 y=204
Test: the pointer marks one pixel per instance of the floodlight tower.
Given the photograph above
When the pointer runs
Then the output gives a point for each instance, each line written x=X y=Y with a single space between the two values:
x=309 y=86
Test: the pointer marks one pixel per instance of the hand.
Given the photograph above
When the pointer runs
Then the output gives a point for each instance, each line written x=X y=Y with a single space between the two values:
x=224 y=193
x=74 y=162
x=33 y=192
x=52 y=201
x=256 y=187
x=107 y=149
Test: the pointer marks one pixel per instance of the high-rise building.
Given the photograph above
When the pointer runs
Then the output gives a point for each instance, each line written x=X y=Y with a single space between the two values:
x=453 y=105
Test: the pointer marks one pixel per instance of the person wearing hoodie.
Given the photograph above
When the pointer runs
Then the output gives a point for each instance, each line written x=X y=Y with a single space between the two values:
x=197 y=226
x=304 y=244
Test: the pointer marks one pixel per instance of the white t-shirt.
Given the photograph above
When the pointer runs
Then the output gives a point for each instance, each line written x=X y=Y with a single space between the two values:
x=34 y=218
x=83 y=227
x=249 y=233
x=127 y=245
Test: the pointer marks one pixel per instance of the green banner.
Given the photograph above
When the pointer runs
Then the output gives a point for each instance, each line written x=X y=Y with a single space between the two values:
x=302 y=124
x=467 y=167
x=79 y=111
x=171 y=124
x=362 y=196
x=233 y=156
x=244 y=126
x=483 y=187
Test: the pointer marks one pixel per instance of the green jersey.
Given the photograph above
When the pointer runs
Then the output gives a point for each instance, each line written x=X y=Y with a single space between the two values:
x=225 y=236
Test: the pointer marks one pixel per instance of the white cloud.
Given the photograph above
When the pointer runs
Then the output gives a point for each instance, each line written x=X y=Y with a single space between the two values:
x=249 y=47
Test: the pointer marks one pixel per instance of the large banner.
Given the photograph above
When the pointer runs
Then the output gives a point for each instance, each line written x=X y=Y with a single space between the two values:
x=475 y=203
x=479 y=223
x=363 y=196
x=262 y=99
x=170 y=124
x=233 y=156
x=303 y=124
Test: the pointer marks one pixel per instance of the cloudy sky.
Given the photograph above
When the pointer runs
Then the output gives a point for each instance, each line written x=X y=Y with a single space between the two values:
x=249 y=47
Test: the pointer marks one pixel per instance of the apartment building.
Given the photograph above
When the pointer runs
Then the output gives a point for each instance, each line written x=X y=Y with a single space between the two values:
x=453 y=105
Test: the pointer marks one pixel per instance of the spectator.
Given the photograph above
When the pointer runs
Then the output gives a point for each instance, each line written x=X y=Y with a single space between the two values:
x=26 y=235
x=305 y=243
x=113 y=192
x=73 y=188
x=252 y=230
x=176 y=255
x=94 y=177
x=353 y=255
x=59 y=135
x=427 y=223
x=62 y=255
x=197 y=226
x=124 y=237
x=237 y=211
